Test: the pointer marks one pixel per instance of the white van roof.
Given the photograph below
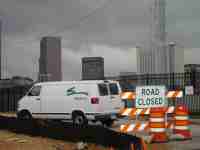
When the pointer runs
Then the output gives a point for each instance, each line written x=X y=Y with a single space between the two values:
x=74 y=82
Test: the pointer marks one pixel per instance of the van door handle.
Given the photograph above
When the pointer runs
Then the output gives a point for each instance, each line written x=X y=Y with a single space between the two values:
x=38 y=99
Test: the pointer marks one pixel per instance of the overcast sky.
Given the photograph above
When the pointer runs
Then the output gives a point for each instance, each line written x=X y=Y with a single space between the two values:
x=108 y=28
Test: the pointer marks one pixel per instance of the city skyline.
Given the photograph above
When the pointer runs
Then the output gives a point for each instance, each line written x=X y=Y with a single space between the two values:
x=105 y=30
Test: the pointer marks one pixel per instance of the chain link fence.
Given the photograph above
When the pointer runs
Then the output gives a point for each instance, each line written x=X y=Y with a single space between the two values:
x=172 y=81
x=192 y=102
x=9 y=97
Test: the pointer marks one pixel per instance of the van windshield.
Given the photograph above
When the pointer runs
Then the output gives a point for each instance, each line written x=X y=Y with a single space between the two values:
x=113 y=89
x=35 y=91
x=103 y=90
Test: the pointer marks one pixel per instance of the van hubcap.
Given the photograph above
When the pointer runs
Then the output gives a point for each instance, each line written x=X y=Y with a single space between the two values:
x=79 y=120
x=26 y=116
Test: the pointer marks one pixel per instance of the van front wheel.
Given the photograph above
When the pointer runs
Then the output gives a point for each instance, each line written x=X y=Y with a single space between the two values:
x=24 y=115
x=79 y=119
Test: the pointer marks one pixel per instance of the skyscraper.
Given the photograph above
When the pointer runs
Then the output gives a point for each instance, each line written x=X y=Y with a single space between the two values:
x=153 y=59
x=50 y=59
x=158 y=43
x=92 y=68
x=175 y=58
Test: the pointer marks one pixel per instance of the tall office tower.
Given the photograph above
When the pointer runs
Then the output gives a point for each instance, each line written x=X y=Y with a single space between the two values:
x=141 y=60
x=175 y=58
x=50 y=59
x=153 y=58
x=92 y=68
x=158 y=43
x=144 y=61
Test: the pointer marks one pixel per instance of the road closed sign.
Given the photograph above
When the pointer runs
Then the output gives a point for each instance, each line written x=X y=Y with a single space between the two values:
x=150 y=96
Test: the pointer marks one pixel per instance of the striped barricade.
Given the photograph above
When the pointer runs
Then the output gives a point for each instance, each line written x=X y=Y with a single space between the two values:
x=128 y=95
x=169 y=94
x=174 y=94
x=159 y=123
x=132 y=112
x=134 y=127
x=141 y=127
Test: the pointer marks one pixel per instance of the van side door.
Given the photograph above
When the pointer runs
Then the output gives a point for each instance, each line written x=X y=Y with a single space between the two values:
x=104 y=103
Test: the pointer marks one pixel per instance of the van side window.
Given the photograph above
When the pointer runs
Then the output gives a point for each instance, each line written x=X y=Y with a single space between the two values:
x=113 y=89
x=35 y=91
x=103 y=90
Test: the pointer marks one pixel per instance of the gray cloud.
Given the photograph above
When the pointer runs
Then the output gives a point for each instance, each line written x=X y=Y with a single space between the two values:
x=117 y=27
x=183 y=22
x=190 y=57
x=116 y=60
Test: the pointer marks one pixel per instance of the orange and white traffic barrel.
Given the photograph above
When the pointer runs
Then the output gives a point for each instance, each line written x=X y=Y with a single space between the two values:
x=157 y=125
x=182 y=123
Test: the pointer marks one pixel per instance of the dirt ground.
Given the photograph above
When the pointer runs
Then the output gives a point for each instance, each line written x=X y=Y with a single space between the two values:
x=13 y=141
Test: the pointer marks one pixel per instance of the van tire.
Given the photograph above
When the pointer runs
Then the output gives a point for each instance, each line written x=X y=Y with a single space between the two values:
x=24 y=115
x=79 y=118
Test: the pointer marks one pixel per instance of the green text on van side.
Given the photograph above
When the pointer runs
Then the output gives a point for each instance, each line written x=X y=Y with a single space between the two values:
x=72 y=91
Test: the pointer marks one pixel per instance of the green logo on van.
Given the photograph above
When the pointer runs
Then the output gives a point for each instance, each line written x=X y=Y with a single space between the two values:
x=72 y=91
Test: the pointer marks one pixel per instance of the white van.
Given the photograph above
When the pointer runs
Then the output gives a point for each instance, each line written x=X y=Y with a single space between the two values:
x=77 y=100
